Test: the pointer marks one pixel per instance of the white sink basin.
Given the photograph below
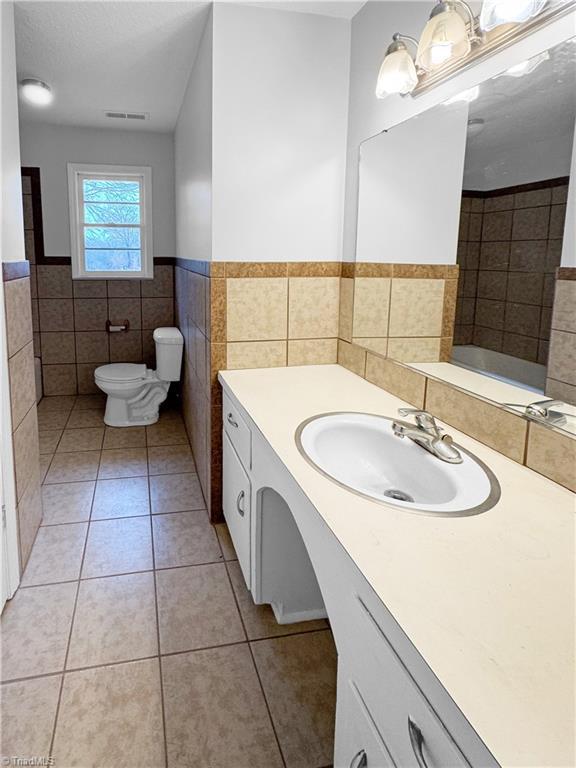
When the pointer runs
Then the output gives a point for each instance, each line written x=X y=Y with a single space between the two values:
x=360 y=452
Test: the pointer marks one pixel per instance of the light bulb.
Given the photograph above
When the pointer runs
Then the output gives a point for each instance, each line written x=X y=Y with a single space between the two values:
x=497 y=12
x=397 y=73
x=445 y=37
x=36 y=92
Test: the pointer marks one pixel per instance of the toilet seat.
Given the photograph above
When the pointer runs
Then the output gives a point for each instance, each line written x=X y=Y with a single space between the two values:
x=121 y=372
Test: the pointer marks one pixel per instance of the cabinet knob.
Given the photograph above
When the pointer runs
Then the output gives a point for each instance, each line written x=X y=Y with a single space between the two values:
x=417 y=742
x=230 y=420
x=360 y=760
x=239 y=502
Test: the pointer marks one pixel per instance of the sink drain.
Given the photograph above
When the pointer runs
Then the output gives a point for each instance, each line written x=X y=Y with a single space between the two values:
x=394 y=493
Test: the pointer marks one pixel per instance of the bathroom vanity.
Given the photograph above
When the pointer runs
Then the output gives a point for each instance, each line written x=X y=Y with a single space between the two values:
x=455 y=635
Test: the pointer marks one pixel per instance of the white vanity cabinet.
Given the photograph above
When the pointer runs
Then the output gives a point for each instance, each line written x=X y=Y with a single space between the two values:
x=391 y=708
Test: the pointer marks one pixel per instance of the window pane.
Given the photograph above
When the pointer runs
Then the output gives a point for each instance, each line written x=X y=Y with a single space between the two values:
x=111 y=191
x=111 y=213
x=112 y=261
x=111 y=237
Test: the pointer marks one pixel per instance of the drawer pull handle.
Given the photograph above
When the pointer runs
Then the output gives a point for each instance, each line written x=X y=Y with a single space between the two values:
x=360 y=760
x=231 y=421
x=417 y=742
x=239 y=501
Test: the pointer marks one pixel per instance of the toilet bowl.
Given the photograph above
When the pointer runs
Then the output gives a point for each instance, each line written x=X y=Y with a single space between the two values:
x=136 y=392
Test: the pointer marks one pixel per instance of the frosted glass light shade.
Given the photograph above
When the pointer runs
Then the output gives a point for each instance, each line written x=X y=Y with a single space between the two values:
x=497 y=12
x=445 y=37
x=397 y=74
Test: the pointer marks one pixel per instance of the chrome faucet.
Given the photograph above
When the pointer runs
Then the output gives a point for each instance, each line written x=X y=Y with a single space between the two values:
x=542 y=410
x=427 y=434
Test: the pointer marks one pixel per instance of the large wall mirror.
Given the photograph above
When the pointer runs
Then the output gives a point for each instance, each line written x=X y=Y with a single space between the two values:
x=467 y=217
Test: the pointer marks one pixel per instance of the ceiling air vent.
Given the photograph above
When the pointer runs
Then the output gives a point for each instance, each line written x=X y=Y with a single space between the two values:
x=128 y=115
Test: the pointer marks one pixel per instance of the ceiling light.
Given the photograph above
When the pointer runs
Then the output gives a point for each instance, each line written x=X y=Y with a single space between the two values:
x=497 y=12
x=35 y=91
x=470 y=95
x=526 y=67
x=397 y=73
x=446 y=35
x=475 y=126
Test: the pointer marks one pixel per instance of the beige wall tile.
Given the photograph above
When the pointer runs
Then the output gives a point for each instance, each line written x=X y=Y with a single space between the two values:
x=163 y=283
x=29 y=518
x=57 y=314
x=313 y=307
x=398 y=379
x=57 y=347
x=346 y=308
x=256 y=354
x=123 y=288
x=488 y=423
x=416 y=307
x=562 y=359
x=126 y=347
x=257 y=308
x=54 y=282
x=352 y=357
x=157 y=313
x=22 y=383
x=415 y=350
x=89 y=289
x=312 y=351
x=59 y=379
x=92 y=347
x=18 y=314
x=122 y=310
x=564 y=314
x=371 y=306
x=559 y=390
x=379 y=345
x=26 y=451
x=89 y=314
x=85 y=377
x=553 y=454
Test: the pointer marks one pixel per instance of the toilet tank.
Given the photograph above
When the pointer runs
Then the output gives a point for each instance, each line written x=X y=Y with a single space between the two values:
x=169 y=344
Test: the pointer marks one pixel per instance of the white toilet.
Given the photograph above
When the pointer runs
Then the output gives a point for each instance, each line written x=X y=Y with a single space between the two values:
x=134 y=391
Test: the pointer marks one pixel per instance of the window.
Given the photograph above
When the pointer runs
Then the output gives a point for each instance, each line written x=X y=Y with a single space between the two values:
x=110 y=221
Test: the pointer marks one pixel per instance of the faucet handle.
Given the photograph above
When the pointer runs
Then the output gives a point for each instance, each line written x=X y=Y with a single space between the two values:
x=422 y=418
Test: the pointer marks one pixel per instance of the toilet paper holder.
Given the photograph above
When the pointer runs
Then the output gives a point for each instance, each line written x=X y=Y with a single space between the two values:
x=110 y=328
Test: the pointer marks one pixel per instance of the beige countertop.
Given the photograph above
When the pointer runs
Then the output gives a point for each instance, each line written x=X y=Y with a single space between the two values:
x=488 y=600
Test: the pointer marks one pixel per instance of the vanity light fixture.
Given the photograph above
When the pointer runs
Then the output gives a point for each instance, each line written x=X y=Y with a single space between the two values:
x=447 y=36
x=35 y=91
x=497 y=12
x=398 y=72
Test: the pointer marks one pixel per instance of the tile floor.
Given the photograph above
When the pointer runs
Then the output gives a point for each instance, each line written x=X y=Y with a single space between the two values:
x=132 y=640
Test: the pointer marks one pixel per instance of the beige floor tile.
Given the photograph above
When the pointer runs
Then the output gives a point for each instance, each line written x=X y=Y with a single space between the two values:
x=196 y=608
x=115 y=620
x=184 y=538
x=167 y=433
x=74 y=440
x=118 y=546
x=90 y=402
x=298 y=674
x=67 y=502
x=56 y=403
x=225 y=541
x=170 y=414
x=28 y=709
x=52 y=419
x=259 y=620
x=216 y=715
x=111 y=717
x=56 y=554
x=44 y=464
x=125 y=437
x=123 y=462
x=35 y=628
x=121 y=497
x=175 y=493
x=85 y=419
x=73 y=467
x=49 y=439
x=170 y=459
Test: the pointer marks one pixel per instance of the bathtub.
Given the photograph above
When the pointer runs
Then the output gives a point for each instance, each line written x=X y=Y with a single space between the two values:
x=500 y=366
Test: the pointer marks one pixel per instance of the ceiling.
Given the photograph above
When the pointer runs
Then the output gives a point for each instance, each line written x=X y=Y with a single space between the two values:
x=112 y=55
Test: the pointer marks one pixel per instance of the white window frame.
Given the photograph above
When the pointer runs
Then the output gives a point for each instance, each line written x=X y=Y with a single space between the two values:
x=77 y=172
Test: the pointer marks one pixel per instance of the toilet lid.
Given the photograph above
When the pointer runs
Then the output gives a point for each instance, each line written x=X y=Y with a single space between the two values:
x=121 y=372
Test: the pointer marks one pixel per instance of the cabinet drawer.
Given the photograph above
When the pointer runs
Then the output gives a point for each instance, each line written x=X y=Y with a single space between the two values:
x=412 y=730
x=238 y=431
x=236 y=504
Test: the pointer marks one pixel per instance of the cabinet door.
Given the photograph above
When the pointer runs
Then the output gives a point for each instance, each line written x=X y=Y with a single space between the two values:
x=236 y=505
x=358 y=742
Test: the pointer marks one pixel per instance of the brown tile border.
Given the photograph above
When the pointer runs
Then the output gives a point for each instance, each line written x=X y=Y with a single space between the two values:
x=559 y=181
x=416 y=271
x=348 y=268
x=566 y=273
x=369 y=269
x=315 y=269
x=15 y=270
x=256 y=269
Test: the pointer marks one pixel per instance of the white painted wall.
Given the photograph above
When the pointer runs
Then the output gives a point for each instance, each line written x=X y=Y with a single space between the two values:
x=193 y=158
x=410 y=189
x=280 y=114
x=12 y=217
x=51 y=147
x=569 y=243
x=372 y=29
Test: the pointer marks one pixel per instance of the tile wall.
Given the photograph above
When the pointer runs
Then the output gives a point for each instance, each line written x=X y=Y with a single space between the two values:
x=23 y=405
x=69 y=321
x=561 y=380
x=509 y=248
